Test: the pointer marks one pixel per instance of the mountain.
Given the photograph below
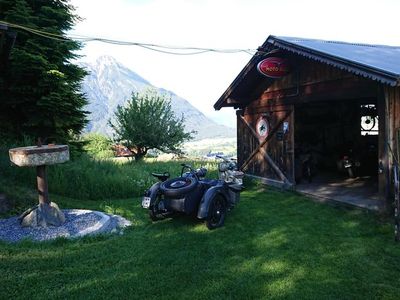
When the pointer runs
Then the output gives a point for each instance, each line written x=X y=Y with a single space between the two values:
x=109 y=84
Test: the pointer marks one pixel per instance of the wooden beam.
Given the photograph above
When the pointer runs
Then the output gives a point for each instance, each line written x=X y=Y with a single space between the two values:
x=270 y=135
x=249 y=127
x=327 y=91
x=266 y=155
x=268 y=181
x=275 y=167
x=231 y=100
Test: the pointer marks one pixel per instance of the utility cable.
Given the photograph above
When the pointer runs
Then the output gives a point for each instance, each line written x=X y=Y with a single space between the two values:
x=175 y=50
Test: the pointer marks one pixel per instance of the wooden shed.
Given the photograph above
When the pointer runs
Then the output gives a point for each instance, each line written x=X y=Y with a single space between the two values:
x=320 y=103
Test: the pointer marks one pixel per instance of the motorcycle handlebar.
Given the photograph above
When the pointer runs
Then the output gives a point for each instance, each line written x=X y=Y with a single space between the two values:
x=185 y=166
x=222 y=157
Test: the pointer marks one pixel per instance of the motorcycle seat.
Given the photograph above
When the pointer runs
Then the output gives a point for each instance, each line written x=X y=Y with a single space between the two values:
x=161 y=176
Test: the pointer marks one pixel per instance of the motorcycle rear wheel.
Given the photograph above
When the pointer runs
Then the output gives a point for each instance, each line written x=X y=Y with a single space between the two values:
x=156 y=214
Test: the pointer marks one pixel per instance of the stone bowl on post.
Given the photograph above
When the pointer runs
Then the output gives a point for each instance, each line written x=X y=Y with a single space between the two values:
x=47 y=212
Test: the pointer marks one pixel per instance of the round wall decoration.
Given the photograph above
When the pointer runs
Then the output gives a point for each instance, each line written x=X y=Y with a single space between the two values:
x=274 y=67
x=262 y=127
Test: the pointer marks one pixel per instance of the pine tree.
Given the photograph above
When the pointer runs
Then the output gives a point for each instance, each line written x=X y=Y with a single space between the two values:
x=40 y=86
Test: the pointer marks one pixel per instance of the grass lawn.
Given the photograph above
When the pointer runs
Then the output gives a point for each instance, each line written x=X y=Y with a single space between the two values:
x=274 y=245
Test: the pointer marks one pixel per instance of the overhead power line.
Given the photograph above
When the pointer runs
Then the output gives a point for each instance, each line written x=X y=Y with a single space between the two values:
x=175 y=50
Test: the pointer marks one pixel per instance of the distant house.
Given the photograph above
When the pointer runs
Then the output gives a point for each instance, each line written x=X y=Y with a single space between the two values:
x=326 y=98
x=122 y=151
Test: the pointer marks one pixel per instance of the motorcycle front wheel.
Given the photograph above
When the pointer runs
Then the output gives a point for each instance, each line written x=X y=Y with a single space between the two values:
x=217 y=213
x=350 y=171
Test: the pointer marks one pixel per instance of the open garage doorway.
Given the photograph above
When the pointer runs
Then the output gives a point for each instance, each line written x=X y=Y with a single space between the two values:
x=336 y=151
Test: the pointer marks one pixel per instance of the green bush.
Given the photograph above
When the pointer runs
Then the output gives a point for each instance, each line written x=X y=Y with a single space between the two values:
x=98 y=146
x=87 y=178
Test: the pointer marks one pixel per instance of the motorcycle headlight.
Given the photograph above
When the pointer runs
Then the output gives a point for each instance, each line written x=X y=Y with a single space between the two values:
x=222 y=167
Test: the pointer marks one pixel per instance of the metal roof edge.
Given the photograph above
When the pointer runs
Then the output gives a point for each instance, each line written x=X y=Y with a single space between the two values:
x=349 y=65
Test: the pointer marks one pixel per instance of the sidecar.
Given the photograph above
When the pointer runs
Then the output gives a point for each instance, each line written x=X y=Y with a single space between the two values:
x=191 y=194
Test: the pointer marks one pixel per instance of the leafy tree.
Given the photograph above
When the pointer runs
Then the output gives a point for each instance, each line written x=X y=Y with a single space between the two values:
x=98 y=146
x=148 y=122
x=40 y=86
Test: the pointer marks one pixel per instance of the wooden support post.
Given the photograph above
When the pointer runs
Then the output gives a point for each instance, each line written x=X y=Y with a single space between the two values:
x=253 y=132
x=385 y=139
x=42 y=185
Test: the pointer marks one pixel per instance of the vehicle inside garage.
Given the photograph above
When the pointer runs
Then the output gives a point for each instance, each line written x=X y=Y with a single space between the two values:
x=336 y=150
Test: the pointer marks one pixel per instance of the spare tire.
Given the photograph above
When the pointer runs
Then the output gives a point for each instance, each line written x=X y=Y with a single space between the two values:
x=178 y=187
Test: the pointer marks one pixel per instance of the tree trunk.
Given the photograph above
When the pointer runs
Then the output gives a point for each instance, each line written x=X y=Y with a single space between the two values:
x=139 y=154
x=139 y=157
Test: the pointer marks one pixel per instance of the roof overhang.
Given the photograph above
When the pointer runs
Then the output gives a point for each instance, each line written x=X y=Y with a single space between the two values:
x=247 y=79
x=230 y=97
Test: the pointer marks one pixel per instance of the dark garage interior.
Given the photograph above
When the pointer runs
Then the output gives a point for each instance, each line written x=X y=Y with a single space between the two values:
x=336 y=154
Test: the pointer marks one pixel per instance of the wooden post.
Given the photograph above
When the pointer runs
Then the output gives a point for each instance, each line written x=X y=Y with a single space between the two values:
x=42 y=185
x=385 y=138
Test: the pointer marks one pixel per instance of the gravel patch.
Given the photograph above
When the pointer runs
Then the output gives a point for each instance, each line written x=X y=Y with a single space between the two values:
x=117 y=224
x=77 y=223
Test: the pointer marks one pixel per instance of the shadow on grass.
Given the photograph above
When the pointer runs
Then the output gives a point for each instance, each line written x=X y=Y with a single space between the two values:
x=273 y=245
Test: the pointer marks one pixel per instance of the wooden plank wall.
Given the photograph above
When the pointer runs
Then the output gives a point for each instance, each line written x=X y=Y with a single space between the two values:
x=305 y=74
x=312 y=81
x=279 y=149
x=246 y=144
x=392 y=96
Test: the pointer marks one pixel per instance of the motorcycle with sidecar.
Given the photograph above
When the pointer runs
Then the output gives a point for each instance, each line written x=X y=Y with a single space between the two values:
x=192 y=194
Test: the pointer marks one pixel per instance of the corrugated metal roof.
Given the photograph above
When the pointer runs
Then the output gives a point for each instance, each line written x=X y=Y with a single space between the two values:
x=377 y=62
x=385 y=58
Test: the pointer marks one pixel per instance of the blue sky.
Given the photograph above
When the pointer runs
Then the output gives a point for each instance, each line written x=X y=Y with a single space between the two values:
x=202 y=79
